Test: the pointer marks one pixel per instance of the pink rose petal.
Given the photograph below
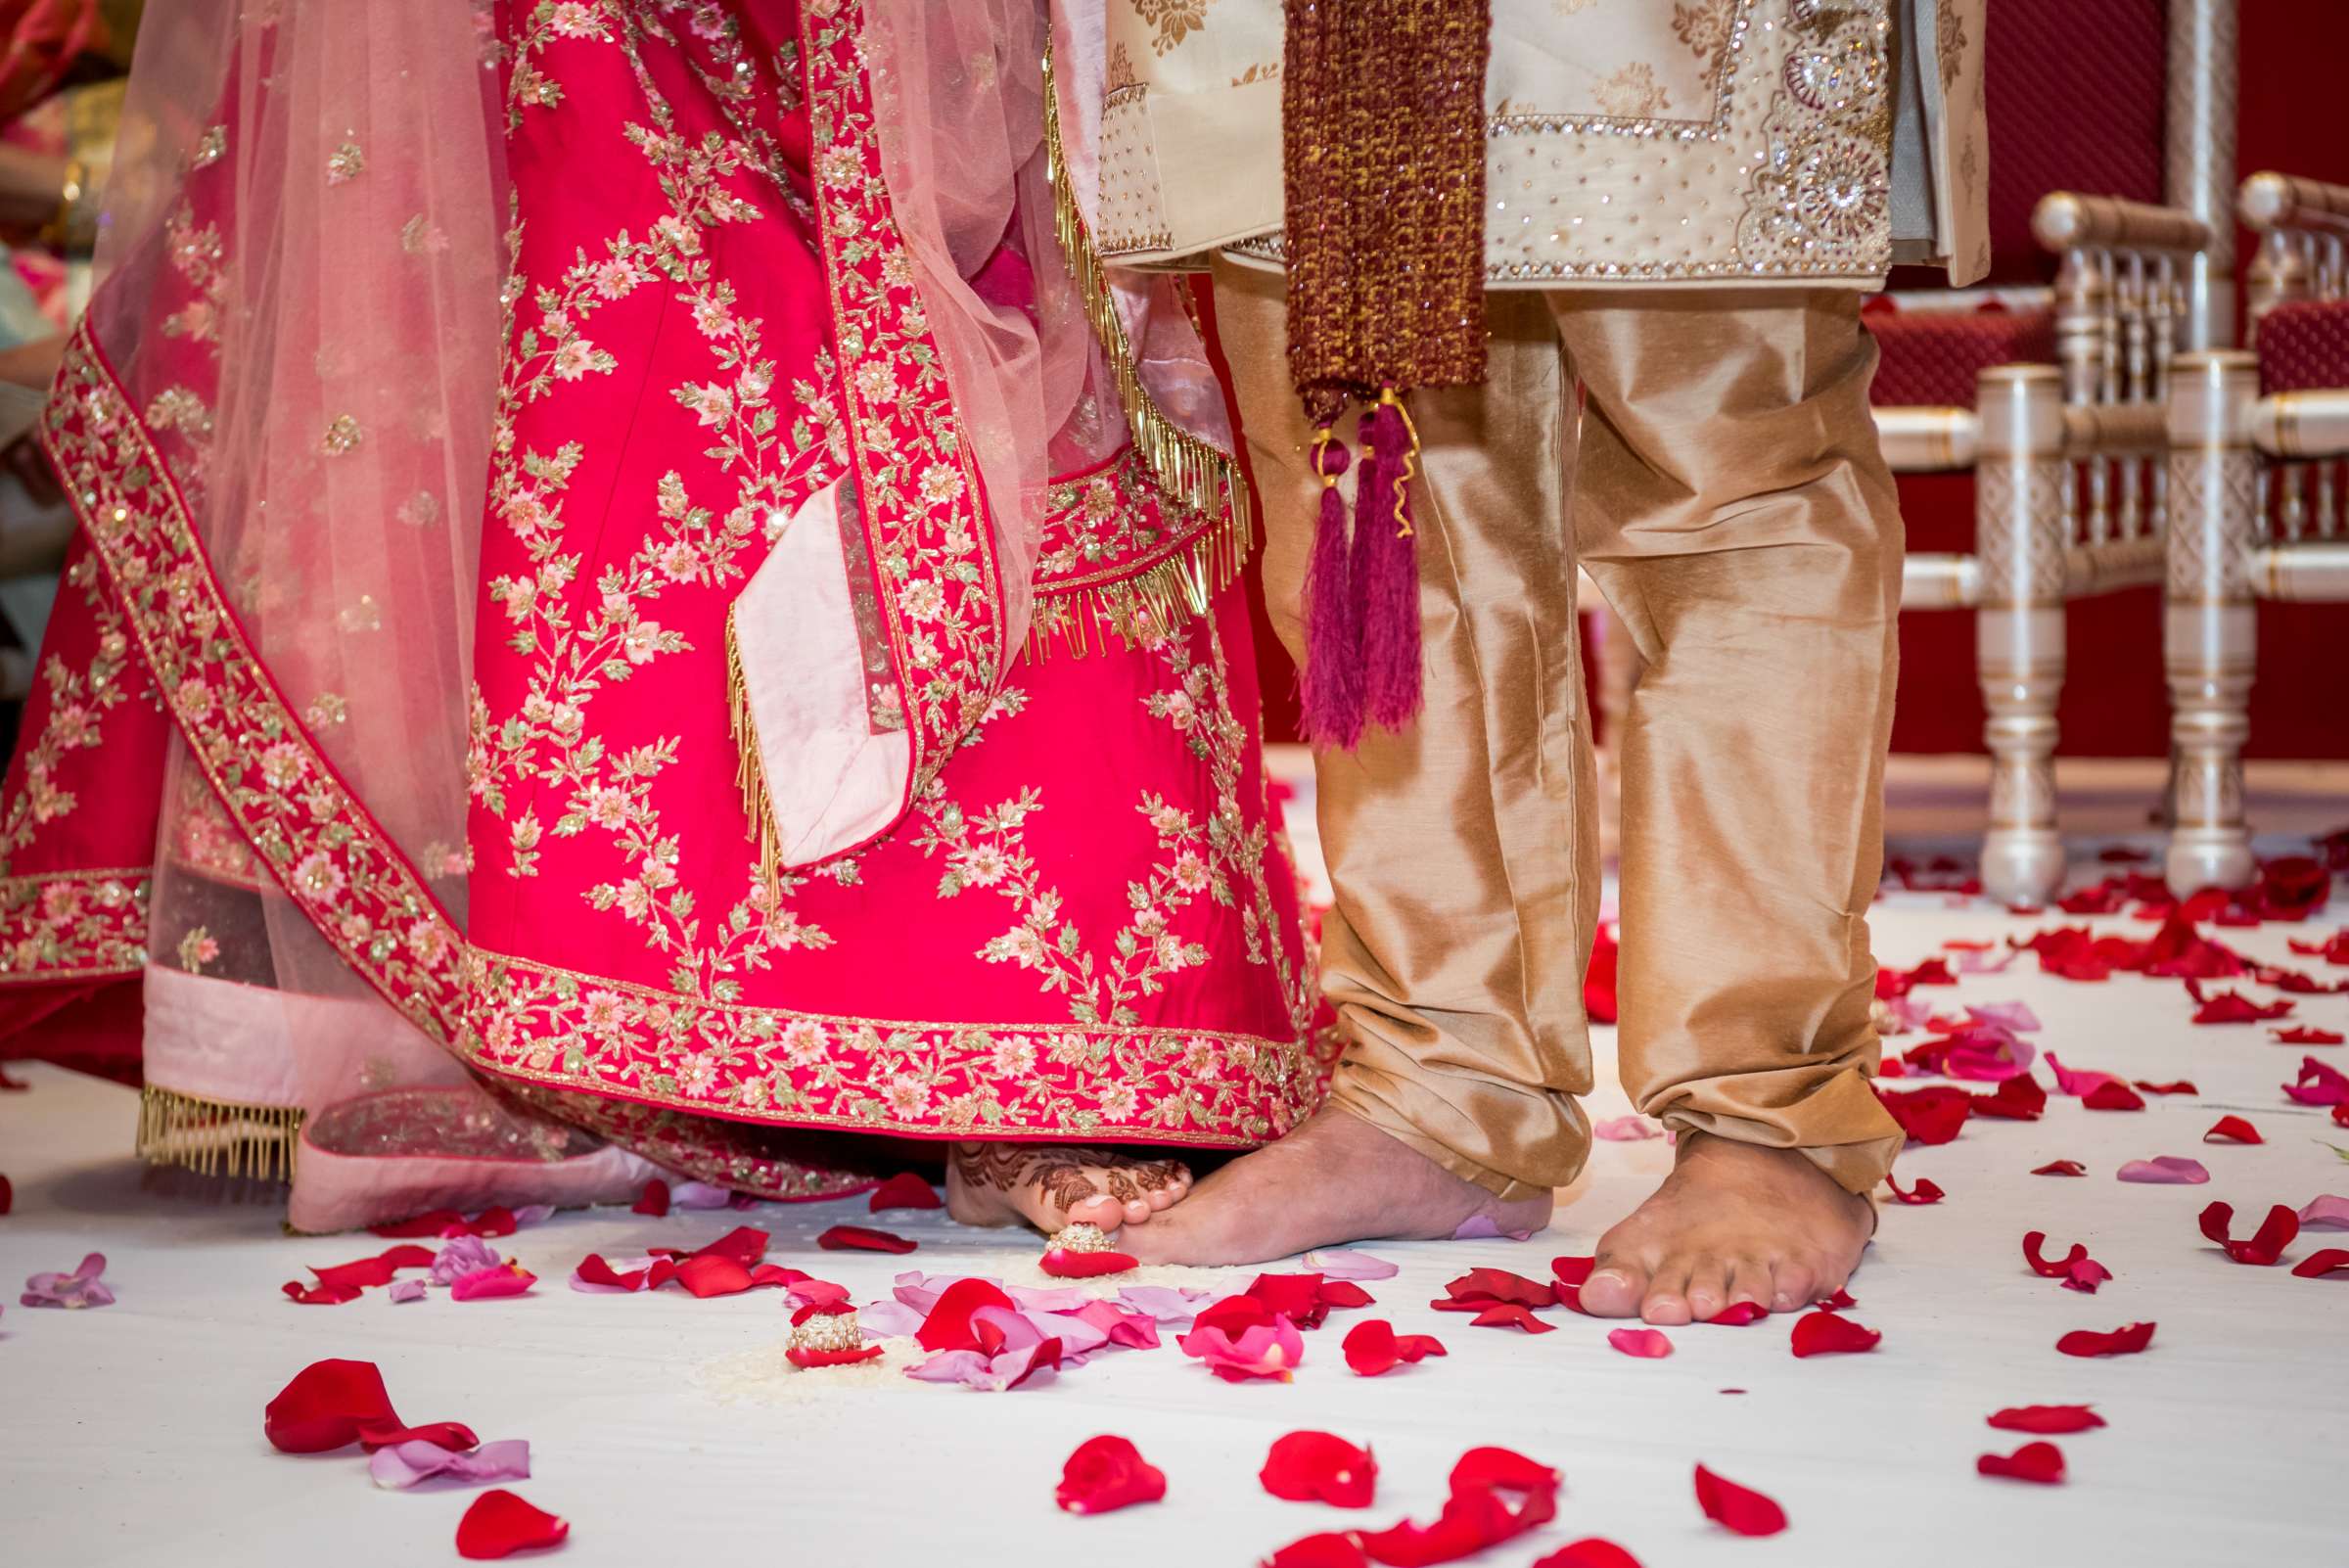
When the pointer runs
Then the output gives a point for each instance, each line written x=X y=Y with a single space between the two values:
x=2172 y=1169
x=1168 y=1304
x=1625 y=1128
x=2329 y=1210
x=81 y=1288
x=990 y=1375
x=506 y=1279
x=889 y=1319
x=1648 y=1343
x=697 y=1195
x=1479 y=1227
x=2080 y=1084
x=406 y=1290
x=401 y=1465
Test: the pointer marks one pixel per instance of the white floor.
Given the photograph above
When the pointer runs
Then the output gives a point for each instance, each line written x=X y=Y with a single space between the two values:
x=667 y=1430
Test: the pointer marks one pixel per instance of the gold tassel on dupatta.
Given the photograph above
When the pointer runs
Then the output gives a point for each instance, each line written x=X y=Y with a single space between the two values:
x=218 y=1137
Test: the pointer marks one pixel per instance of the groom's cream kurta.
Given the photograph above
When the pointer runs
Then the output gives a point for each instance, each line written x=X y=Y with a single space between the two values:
x=1698 y=190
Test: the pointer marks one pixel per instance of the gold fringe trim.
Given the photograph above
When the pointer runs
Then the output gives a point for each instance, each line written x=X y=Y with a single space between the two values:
x=1192 y=473
x=218 y=1137
x=750 y=773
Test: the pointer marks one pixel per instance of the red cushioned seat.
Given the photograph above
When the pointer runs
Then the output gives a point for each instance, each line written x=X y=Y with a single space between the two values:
x=2304 y=345
x=1932 y=356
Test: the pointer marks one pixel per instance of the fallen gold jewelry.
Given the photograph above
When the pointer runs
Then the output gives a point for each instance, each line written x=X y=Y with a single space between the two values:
x=1080 y=1237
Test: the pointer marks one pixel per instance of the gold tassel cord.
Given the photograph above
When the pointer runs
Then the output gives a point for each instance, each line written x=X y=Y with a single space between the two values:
x=750 y=773
x=218 y=1137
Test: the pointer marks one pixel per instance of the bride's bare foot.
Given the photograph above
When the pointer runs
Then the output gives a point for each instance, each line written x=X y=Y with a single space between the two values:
x=1052 y=1187
x=1733 y=1222
x=1336 y=1178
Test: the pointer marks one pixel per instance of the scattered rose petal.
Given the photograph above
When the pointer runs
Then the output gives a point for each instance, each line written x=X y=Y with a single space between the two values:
x=1840 y=1302
x=2016 y=1099
x=1319 y=1467
x=2113 y=1096
x=2047 y=1420
x=2060 y=1168
x=948 y=1325
x=1931 y=1115
x=856 y=1238
x=460 y=1256
x=1105 y=1474
x=2323 y=1260
x=1572 y=1274
x=325 y=1295
x=2042 y=1463
x=1738 y=1314
x=1739 y=1509
x=1477 y=1514
x=1479 y=1288
x=2265 y=1247
x=1922 y=1193
x=2232 y=1006
x=1592 y=1551
x=1508 y=1314
x=8 y=1195
x=1598 y=977
x=889 y=1319
x=1825 y=1333
x=1168 y=1304
x=2172 y=1169
x=500 y=1524
x=488 y=1284
x=1327 y=1549
x=2123 y=1341
x=454 y=1436
x=1625 y=1130
x=324 y=1406
x=1357 y=1266
x=2076 y=1269
x=376 y=1271
x=700 y=1195
x=1061 y=1263
x=1482 y=1227
x=1648 y=1343
x=2325 y=1212
x=993 y=1374
x=594 y=1275
x=2303 y=1034
x=1240 y=1338
x=1372 y=1347
x=653 y=1199
x=906 y=1191
x=2232 y=1129
x=2183 y=1085
x=2319 y=1085
x=2076 y=1083
x=401 y=1465
x=81 y=1288
x=405 y=1290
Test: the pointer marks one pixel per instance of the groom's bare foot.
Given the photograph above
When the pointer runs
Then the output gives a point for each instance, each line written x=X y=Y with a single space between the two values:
x=1733 y=1222
x=1336 y=1178
x=1052 y=1187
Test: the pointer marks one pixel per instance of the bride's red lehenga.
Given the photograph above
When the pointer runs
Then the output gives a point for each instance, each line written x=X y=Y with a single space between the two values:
x=623 y=615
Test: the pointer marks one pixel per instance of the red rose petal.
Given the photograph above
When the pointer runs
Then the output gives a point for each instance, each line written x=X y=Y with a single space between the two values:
x=2124 y=1341
x=707 y=1274
x=1295 y=1297
x=2076 y=1269
x=454 y=1436
x=1648 y=1343
x=2316 y=1265
x=1825 y=1333
x=1487 y=1468
x=1922 y=1193
x=2303 y=1034
x=1928 y=1115
x=856 y=1238
x=949 y=1325
x=1598 y=977
x=1107 y=1473
x=1372 y=1347
x=594 y=1271
x=1737 y=1509
x=905 y=1190
x=744 y=1244
x=500 y=1524
x=2183 y=1085
x=2042 y=1463
x=324 y=1406
x=1738 y=1314
x=2232 y=1007
x=320 y=1295
x=435 y=1223
x=8 y=1195
x=1062 y=1264
x=2276 y=1233
x=804 y=1357
x=2017 y=1099
x=653 y=1200
x=2232 y=1129
x=2319 y=1085
x=2113 y=1096
x=1508 y=1314
x=1592 y=1551
x=1840 y=1302
x=376 y=1271
x=2046 y=1419
x=1321 y=1467
x=2060 y=1168
x=1497 y=1285
x=1328 y=1549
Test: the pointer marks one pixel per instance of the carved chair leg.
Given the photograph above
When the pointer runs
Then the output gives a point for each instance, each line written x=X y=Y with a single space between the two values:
x=2209 y=619
x=2019 y=535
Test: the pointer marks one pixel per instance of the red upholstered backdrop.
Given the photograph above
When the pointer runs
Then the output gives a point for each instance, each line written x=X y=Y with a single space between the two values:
x=2076 y=98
